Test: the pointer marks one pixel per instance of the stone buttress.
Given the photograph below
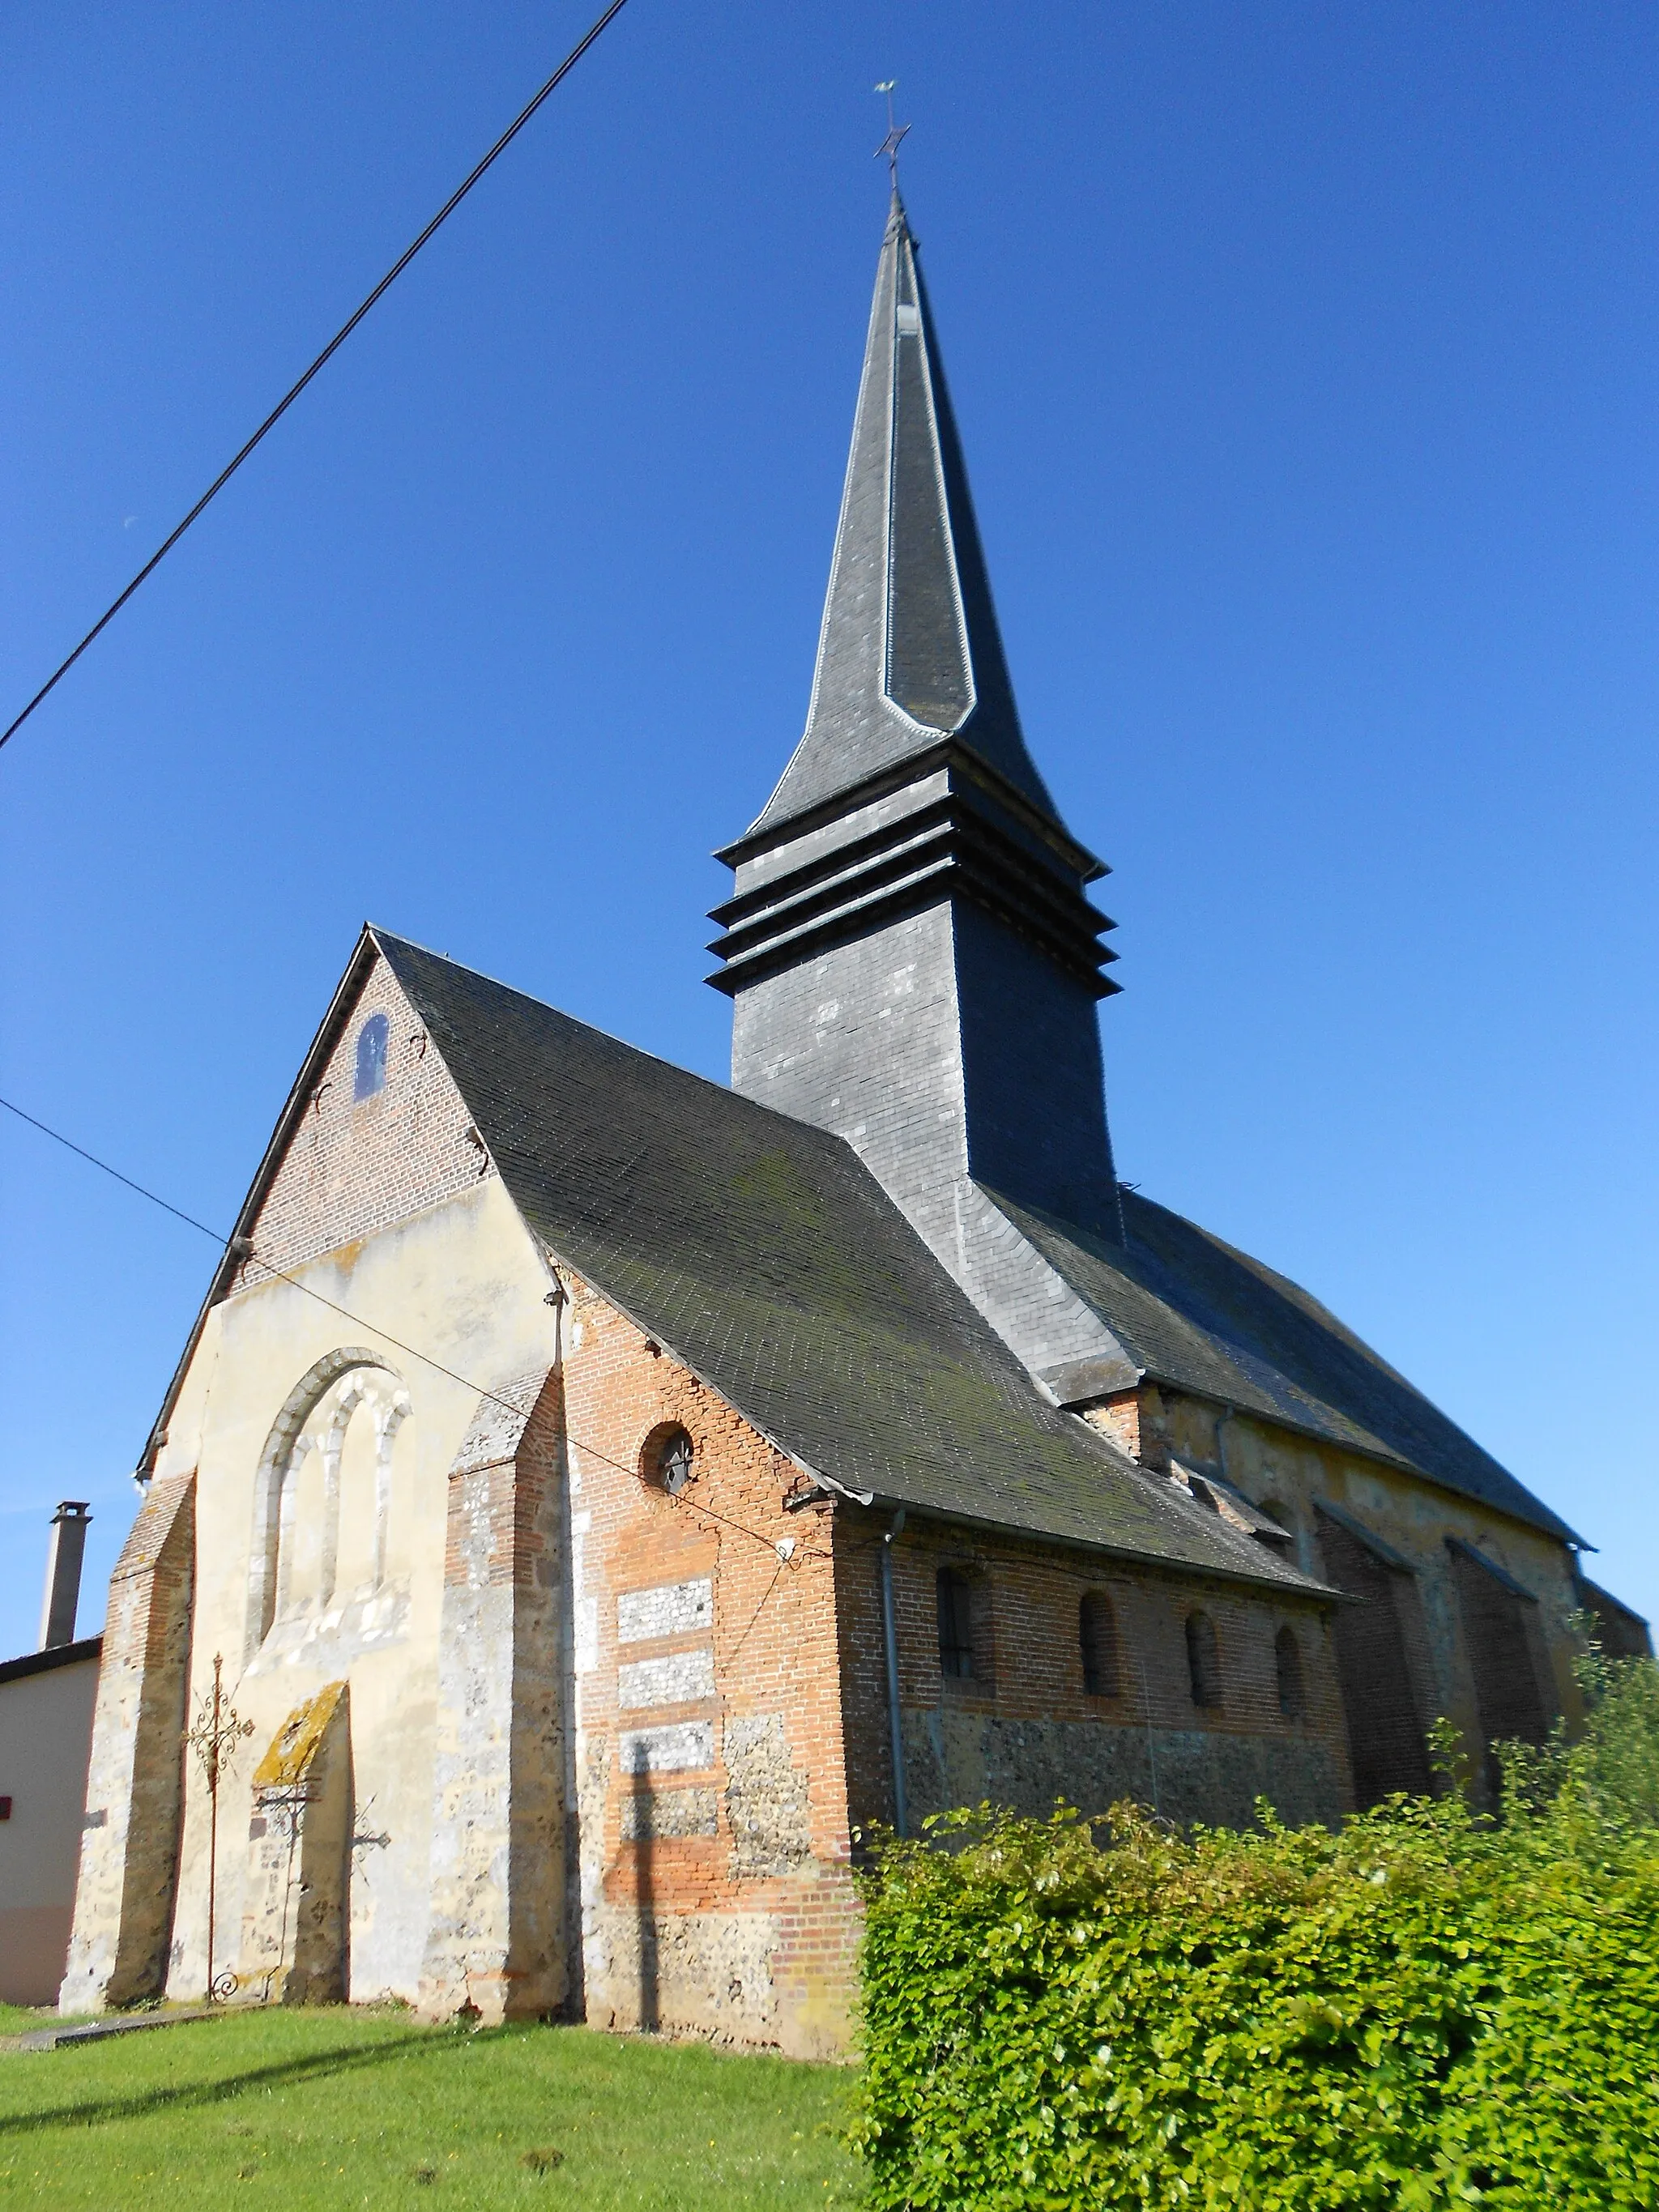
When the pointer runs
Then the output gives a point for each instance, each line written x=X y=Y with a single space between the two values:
x=503 y=1837
x=130 y=1847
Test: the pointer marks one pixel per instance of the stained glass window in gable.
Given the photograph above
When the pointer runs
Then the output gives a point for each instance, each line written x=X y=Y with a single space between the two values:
x=370 y=1058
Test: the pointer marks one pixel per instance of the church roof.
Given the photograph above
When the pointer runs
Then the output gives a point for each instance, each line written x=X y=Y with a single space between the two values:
x=760 y=1252
x=909 y=651
x=1191 y=1311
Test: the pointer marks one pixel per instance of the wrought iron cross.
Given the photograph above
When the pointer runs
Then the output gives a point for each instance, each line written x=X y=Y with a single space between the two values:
x=215 y=1738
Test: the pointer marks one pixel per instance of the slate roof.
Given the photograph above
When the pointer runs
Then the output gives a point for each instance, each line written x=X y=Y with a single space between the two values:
x=760 y=1252
x=1191 y=1311
x=54 y=1656
x=909 y=647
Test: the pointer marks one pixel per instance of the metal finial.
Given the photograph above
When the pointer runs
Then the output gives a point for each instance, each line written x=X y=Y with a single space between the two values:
x=889 y=145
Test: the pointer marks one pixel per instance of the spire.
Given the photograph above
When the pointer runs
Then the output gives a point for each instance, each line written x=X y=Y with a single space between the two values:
x=911 y=956
x=909 y=652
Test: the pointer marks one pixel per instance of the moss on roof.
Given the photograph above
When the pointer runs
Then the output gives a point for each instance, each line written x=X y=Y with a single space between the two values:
x=763 y=1252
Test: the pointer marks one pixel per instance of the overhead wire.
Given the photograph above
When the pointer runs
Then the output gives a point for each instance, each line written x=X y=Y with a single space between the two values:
x=328 y=351
x=243 y=1248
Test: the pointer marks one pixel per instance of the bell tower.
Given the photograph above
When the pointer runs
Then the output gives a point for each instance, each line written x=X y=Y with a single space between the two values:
x=912 y=960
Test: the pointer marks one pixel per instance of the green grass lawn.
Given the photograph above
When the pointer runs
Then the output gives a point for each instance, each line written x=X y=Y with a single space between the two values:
x=339 y=2108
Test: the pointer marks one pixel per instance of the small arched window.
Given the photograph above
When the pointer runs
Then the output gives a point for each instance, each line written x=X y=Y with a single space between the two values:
x=668 y=1459
x=1203 y=1661
x=1097 y=1632
x=370 y=1058
x=1287 y=1668
x=956 y=1624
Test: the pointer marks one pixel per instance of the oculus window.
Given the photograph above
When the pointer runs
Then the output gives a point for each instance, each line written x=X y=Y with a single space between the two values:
x=668 y=1460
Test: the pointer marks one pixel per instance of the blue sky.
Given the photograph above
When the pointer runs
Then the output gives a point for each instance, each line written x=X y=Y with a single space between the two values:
x=1304 y=357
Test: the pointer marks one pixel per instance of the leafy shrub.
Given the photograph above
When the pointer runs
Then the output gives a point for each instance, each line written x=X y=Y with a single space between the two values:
x=1607 y=1783
x=1424 y=2009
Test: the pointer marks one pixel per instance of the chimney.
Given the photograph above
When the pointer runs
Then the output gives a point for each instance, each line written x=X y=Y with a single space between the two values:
x=69 y=1541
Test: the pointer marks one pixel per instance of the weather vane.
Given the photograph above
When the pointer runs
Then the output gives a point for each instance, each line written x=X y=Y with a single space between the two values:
x=889 y=145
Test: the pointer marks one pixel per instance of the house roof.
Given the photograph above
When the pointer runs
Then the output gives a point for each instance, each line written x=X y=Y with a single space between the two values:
x=1191 y=1311
x=54 y=1656
x=909 y=649
x=760 y=1252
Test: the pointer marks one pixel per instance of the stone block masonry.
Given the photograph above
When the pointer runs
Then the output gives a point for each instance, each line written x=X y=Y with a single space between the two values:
x=295 y=1913
x=500 y=1915
x=130 y=1848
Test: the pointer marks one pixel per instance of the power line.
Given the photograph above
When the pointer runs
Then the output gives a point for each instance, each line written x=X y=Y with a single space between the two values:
x=69 y=1145
x=332 y=347
x=243 y=1248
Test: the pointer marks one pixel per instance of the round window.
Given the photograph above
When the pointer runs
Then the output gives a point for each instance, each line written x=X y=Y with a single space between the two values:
x=670 y=1462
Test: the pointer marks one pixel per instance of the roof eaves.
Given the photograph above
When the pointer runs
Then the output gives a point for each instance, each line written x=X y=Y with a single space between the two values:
x=1288 y=1581
x=55 y=1655
x=1339 y=1431
x=934 y=750
x=1605 y=1597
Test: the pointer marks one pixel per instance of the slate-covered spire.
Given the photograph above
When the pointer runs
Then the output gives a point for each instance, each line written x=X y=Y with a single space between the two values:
x=911 y=955
x=909 y=650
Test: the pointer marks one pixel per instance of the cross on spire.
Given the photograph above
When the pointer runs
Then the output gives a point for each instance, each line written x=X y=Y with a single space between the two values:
x=890 y=144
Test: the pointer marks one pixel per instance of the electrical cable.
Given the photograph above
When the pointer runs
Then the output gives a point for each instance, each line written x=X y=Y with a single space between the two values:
x=332 y=348
x=732 y=1657
x=243 y=1248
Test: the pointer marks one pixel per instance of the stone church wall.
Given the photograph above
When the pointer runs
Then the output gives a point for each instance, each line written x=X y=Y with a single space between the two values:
x=1024 y=1729
x=297 y=1402
x=458 y=1571
x=1393 y=1540
x=593 y=1748
x=379 y=1207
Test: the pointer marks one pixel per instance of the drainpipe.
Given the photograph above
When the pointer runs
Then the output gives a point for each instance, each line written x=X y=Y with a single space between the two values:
x=889 y=1638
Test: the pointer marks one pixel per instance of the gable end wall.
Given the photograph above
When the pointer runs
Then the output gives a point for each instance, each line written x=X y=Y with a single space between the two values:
x=352 y=1167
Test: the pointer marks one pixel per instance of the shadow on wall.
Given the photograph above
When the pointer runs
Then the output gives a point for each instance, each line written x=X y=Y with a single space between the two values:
x=645 y=1895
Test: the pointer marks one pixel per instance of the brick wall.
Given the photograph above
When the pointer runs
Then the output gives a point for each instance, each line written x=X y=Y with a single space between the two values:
x=1386 y=1739
x=715 y=1881
x=354 y=1167
x=733 y=1727
x=1500 y=1630
x=1023 y=1731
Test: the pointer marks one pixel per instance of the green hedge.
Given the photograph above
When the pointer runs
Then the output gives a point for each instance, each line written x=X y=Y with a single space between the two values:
x=1425 y=2009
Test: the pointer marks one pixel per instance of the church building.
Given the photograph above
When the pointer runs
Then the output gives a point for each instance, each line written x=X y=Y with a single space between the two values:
x=600 y=1496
